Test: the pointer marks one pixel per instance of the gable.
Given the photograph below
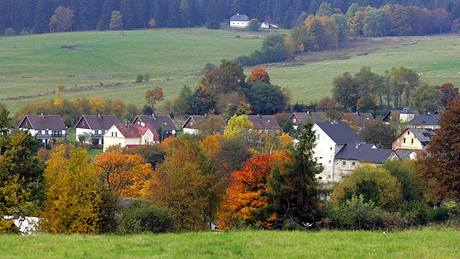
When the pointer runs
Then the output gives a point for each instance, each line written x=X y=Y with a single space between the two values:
x=25 y=124
x=82 y=123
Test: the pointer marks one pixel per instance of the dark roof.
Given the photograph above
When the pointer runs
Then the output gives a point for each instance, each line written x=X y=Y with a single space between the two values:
x=425 y=120
x=136 y=130
x=264 y=122
x=239 y=18
x=361 y=119
x=339 y=132
x=44 y=122
x=201 y=119
x=364 y=153
x=158 y=121
x=389 y=114
x=423 y=135
x=404 y=153
x=99 y=121
x=313 y=117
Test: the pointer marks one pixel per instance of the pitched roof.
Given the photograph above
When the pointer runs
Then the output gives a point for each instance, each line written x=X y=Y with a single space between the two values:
x=239 y=18
x=364 y=153
x=264 y=122
x=404 y=153
x=425 y=120
x=423 y=135
x=158 y=121
x=136 y=130
x=202 y=119
x=99 y=121
x=44 y=122
x=312 y=117
x=339 y=132
x=359 y=118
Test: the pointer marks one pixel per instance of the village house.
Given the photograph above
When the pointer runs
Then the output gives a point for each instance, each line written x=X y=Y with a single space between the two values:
x=300 y=118
x=351 y=156
x=425 y=121
x=412 y=142
x=130 y=136
x=402 y=116
x=267 y=25
x=196 y=123
x=163 y=124
x=265 y=124
x=239 y=21
x=331 y=137
x=90 y=129
x=46 y=128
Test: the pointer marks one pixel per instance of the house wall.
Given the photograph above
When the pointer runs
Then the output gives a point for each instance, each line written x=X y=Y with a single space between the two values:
x=239 y=24
x=344 y=167
x=81 y=131
x=407 y=140
x=148 y=138
x=325 y=151
x=112 y=140
x=191 y=131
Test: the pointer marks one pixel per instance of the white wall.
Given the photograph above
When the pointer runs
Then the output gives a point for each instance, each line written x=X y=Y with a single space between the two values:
x=239 y=24
x=191 y=131
x=79 y=132
x=325 y=151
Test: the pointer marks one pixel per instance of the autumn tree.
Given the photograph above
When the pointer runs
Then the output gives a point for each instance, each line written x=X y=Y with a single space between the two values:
x=247 y=201
x=73 y=193
x=440 y=169
x=294 y=189
x=238 y=126
x=116 y=21
x=5 y=120
x=62 y=19
x=154 y=96
x=259 y=74
x=127 y=175
x=449 y=92
x=21 y=174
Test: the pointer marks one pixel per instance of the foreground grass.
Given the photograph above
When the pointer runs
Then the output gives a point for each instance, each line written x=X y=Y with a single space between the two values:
x=336 y=244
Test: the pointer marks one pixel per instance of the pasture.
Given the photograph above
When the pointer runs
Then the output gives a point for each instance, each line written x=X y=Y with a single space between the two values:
x=439 y=243
x=107 y=63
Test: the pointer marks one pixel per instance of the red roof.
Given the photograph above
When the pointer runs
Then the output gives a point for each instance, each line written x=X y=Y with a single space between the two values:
x=137 y=130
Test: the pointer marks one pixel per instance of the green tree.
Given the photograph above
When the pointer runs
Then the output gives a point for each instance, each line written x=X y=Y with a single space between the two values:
x=346 y=91
x=265 y=98
x=379 y=133
x=426 y=98
x=254 y=25
x=294 y=193
x=237 y=126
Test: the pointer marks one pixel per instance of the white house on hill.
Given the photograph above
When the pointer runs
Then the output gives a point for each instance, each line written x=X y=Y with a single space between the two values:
x=239 y=21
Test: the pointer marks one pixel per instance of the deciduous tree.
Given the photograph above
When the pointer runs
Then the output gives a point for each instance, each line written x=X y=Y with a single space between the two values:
x=62 y=19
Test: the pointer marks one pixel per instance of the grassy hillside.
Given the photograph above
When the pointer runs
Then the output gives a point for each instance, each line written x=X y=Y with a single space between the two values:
x=410 y=244
x=32 y=66
x=106 y=63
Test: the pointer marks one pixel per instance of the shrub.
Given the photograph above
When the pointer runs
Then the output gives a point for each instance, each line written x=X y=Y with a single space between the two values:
x=254 y=25
x=147 y=77
x=141 y=216
x=373 y=183
x=139 y=78
x=8 y=227
x=9 y=32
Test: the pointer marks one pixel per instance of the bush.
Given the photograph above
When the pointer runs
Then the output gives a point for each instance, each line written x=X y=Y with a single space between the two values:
x=291 y=225
x=8 y=227
x=9 y=32
x=357 y=214
x=139 y=78
x=141 y=216
x=254 y=25
x=147 y=77
x=273 y=50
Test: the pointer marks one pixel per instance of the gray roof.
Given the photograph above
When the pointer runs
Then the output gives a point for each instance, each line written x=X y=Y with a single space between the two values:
x=264 y=122
x=404 y=153
x=313 y=117
x=425 y=120
x=239 y=18
x=364 y=153
x=43 y=122
x=339 y=132
x=99 y=121
x=158 y=121
x=423 y=135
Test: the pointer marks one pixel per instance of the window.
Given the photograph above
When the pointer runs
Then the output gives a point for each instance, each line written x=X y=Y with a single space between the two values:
x=412 y=141
x=331 y=148
x=404 y=141
x=344 y=163
x=330 y=161
x=353 y=163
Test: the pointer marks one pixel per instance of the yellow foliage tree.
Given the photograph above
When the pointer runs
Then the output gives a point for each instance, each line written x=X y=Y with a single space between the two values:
x=73 y=193
x=237 y=126
x=127 y=175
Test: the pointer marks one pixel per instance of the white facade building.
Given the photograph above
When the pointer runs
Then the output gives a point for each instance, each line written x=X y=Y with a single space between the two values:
x=239 y=21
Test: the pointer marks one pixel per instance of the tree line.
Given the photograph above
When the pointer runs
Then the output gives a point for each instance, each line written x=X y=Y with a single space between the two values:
x=31 y=16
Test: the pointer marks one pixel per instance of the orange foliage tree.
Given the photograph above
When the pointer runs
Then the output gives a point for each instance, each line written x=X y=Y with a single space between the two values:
x=127 y=175
x=258 y=74
x=247 y=199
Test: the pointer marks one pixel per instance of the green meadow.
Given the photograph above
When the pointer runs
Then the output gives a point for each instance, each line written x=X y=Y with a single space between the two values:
x=250 y=244
x=107 y=63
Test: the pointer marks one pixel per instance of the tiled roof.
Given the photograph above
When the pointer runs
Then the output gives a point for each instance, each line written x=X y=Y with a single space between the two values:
x=100 y=121
x=425 y=120
x=239 y=18
x=44 y=122
x=264 y=122
x=364 y=153
x=423 y=135
x=201 y=119
x=158 y=121
x=136 y=130
x=339 y=132
x=313 y=117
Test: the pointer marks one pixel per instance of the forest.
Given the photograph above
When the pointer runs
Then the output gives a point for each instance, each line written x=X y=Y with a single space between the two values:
x=32 y=16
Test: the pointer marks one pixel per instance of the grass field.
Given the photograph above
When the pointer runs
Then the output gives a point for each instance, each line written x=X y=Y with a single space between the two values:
x=410 y=244
x=106 y=63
